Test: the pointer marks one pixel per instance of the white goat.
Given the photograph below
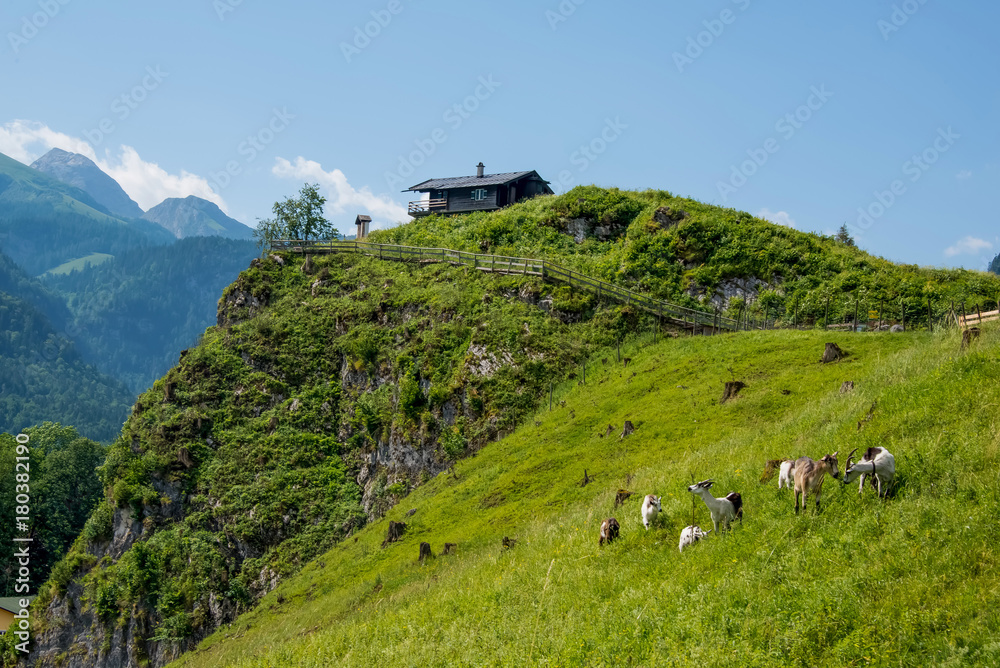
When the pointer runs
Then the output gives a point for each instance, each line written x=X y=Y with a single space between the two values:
x=691 y=535
x=650 y=509
x=723 y=510
x=786 y=475
x=876 y=462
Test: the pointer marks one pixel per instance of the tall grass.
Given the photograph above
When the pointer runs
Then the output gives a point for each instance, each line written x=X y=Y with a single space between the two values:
x=910 y=581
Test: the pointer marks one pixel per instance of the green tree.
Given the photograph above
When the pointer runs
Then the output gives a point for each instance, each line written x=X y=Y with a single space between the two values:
x=844 y=236
x=296 y=218
x=63 y=490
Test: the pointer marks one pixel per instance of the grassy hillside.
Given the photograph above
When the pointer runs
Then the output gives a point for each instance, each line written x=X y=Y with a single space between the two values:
x=323 y=397
x=911 y=581
x=693 y=253
x=338 y=389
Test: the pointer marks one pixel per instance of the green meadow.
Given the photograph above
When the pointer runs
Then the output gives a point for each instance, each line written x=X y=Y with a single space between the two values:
x=907 y=581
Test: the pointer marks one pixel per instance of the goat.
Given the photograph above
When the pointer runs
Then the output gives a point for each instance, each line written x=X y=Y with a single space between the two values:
x=809 y=477
x=609 y=531
x=876 y=462
x=723 y=510
x=650 y=509
x=786 y=474
x=691 y=535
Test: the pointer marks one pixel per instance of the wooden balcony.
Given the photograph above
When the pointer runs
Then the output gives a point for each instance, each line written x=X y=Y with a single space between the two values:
x=426 y=207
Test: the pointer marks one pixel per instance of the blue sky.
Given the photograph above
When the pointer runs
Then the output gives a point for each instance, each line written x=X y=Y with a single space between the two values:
x=808 y=113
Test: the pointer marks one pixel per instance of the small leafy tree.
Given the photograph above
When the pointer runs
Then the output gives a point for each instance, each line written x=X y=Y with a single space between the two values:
x=296 y=218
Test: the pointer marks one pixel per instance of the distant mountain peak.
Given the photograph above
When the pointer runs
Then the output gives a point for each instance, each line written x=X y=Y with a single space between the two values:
x=83 y=173
x=193 y=216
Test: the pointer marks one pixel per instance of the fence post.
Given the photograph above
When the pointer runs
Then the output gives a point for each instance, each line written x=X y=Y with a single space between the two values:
x=857 y=298
x=881 y=308
x=826 y=318
x=963 y=313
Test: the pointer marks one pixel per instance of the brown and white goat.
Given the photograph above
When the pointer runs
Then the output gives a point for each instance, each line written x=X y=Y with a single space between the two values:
x=876 y=462
x=723 y=510
x=809 y=477
x=609 y=531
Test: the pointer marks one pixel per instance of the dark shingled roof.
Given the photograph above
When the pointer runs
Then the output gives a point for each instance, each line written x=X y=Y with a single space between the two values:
x=362 y=218
x=471 y=181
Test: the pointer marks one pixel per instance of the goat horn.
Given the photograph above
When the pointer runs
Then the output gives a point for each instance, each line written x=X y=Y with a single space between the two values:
x=848 y=465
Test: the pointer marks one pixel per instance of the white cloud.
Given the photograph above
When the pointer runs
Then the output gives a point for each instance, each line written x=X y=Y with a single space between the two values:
x=780 y=217
x=964 y=174
x=968 y=246
x=149 y=184
x=145 y=182
x=341 y=196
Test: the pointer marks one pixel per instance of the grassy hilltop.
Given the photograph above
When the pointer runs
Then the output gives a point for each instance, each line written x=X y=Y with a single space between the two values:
x=336 y=391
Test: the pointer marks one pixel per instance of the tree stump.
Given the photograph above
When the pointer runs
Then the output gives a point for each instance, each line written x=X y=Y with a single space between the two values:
x=425 y=552
x=848 y=386
x=622 y=497
x=307 y=266
x=508 y=543
x=832 y=353
x=968 y=336
x=628 y=429
x=184 y=457
x=168 y=391
x=731 y=390
x=395 y=532
x=586 y=479
x=770 y=468
x=449 y=548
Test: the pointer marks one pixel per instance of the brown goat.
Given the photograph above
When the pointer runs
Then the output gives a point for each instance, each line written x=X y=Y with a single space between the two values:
x=609 y=531
x=809 y=477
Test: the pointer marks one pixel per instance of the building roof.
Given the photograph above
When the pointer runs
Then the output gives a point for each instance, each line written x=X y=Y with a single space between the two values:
x=362 y=218
x=472 y=181
x=13 y=603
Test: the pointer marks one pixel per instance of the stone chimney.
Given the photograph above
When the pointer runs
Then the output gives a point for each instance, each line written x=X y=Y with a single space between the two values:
x=362 y=222
x=479 y=170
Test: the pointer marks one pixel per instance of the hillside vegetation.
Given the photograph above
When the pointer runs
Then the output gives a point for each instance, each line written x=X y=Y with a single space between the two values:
x=685 y=251
x=909 y=581
x=336 y=389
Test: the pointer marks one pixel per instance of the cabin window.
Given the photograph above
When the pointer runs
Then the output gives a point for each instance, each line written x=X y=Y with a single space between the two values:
x=479 y=194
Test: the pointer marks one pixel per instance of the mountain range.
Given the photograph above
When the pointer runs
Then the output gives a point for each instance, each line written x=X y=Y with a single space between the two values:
x=110 y=293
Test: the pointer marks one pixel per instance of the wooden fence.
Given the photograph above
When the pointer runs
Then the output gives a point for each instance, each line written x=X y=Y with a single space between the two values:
x=692 y=319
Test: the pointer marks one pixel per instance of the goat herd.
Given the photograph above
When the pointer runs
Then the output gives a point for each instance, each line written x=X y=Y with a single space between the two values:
x=804 y=474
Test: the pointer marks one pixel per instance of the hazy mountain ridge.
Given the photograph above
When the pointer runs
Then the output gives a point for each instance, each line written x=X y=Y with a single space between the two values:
x=193 y=216
x=83 y=173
